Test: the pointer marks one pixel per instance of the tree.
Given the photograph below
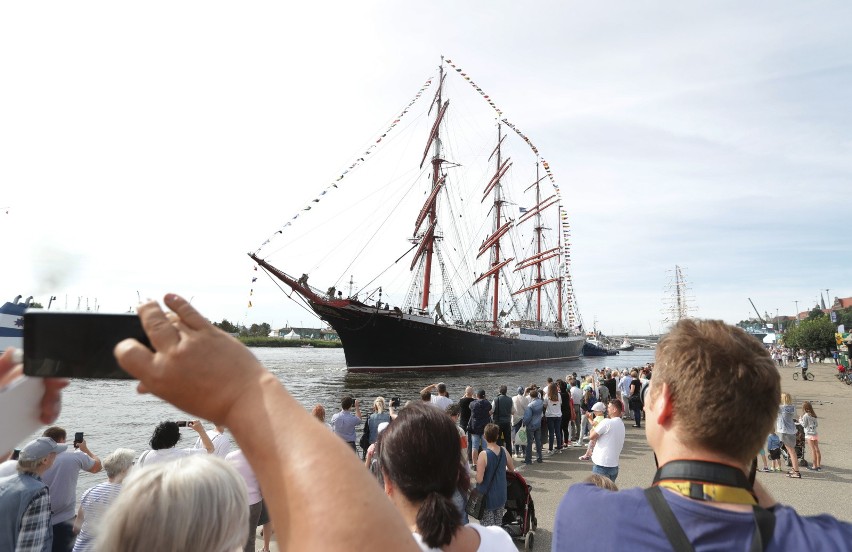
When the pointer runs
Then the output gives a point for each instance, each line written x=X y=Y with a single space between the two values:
x=813 y=335
x=815 y=313
x=226 y=326
x=260 y=330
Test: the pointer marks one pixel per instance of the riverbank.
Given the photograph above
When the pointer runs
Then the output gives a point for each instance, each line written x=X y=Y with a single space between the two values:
x=281 y=342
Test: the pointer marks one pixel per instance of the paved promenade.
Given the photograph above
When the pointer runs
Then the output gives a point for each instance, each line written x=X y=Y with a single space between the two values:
x=827 y=491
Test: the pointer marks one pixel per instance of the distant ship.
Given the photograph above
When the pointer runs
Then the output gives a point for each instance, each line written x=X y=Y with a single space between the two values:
x=626 y=345
x=12 y=323
x=488 y=313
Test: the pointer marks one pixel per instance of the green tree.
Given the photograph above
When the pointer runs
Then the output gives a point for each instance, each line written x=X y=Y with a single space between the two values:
x=813 y=335
x=226 y=326
x=259 y=330
x=815 y=313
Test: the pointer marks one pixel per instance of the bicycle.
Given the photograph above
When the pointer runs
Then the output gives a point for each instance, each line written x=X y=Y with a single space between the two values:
x=808 y=376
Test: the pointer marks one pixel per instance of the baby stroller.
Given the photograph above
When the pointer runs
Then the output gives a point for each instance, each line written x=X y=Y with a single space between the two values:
x=799 y=448
x=519 y=520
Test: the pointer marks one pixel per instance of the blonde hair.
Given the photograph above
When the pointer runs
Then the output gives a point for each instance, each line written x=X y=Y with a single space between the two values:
x=552 y=393
x=197 y=502
x=379 y=405
x=601 y=481
x=786 y=398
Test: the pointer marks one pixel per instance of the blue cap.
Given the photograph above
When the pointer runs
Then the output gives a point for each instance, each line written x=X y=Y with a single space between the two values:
x=40 y=448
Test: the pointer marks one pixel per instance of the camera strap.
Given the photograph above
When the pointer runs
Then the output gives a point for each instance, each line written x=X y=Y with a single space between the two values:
x=707 y=481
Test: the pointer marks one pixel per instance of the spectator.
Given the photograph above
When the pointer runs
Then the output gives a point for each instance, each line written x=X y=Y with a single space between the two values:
x=624 y=390
x=532 y=421
x=810 y=423
x=318 y=412
x=519 y=402
x=705 y=370
x=239 y=462
x=419 y=454
x=61 y=479
x=606 y=442
x=503 y=408
x=597 y=413
x=567 y=410
x=96 y=500
x=164 y=440
x=491 y=477
x=440 y=397
x=25 y=499
x=221 y=442
x=464 y=417
x=192 y=503
x=785 y=427
x=378 y=417
x=480 y=416
x=553 y=415
x=577 y=399
x=345 y=422
x=635 y=401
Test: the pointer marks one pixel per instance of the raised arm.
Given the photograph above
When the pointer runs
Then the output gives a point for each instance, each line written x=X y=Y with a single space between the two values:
x=206 y=372
x=205 y=439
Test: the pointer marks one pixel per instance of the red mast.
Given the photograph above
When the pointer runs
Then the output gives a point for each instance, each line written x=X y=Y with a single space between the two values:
x=427 y=241
x=496 y=259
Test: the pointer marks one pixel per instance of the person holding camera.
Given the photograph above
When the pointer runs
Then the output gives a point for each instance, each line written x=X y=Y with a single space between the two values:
x=703 y=496
x=61 y=479
x=345 y=422
x=165 y=438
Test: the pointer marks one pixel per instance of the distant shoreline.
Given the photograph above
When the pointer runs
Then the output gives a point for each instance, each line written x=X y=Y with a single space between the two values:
x=280 y=342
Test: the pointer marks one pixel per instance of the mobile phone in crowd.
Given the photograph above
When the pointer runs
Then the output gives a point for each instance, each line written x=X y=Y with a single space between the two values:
x=78 y=438
x=394 y=402
x=77 y=344
x=182 y=423
x=15 y=454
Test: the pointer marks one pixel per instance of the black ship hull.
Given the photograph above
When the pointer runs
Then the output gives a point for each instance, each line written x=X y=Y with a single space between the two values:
x=378 y=340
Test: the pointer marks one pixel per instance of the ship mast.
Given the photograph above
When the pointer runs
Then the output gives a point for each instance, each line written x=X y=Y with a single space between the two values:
x=429 y=209
x=496 y=257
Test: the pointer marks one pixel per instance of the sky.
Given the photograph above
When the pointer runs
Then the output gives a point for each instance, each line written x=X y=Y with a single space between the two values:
x=147 y=148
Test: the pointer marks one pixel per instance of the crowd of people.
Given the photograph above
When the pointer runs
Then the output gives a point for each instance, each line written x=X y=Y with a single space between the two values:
x=429 y=456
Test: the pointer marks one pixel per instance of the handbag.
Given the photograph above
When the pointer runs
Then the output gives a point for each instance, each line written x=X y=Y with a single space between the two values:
x=476 y=500
x=521 y=435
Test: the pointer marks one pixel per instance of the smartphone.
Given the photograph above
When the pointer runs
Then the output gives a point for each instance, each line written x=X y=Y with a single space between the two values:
x=395 y=402
x=16 y=454
x=77 y=344
x=182 y=423
x=78 y=438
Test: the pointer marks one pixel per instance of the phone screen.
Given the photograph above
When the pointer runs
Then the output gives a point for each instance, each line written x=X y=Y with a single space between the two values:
x=78 y=437
x=77 y=344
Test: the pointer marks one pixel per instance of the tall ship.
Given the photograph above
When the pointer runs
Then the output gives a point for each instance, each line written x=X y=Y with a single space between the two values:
x=485 y=253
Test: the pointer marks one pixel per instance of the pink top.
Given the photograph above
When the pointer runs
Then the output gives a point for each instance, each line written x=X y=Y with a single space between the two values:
x=238 y=460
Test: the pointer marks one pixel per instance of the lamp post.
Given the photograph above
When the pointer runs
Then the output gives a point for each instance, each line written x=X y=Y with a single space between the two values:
x=827 y=296
x=797 y=311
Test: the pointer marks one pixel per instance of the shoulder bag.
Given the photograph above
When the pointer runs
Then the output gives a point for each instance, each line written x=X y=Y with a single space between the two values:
x=476 y=500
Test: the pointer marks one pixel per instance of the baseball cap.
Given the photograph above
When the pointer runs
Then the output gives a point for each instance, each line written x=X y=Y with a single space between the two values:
x=599 y=407
x=520 y=389
x=40 y=448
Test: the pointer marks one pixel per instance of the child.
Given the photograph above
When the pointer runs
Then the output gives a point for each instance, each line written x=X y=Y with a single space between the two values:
x=598 y=410
x=809 y=424
x=762 y=455
x=773 y=445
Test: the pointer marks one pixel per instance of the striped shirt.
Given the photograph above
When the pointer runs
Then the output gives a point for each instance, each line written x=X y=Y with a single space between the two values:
x=35 y=524
x=94 y=504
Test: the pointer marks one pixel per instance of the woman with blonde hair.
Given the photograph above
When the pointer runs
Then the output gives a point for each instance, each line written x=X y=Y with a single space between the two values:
x=378 y=417
x=785 y=427
x=197 y=502
x=809 y=424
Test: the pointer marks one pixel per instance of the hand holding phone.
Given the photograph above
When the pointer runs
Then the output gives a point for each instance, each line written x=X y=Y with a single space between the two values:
x=182 y=423
x=78 y=438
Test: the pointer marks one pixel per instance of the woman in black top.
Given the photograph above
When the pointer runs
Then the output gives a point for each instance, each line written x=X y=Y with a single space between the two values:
x=635 y=398
x=464 y=417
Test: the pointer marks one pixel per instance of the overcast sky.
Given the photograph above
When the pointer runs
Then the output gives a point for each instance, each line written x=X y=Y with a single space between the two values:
x=146 y=148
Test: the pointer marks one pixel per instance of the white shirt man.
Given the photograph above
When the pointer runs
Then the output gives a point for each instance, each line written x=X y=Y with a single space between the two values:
x=608 y=437
x=221 y=442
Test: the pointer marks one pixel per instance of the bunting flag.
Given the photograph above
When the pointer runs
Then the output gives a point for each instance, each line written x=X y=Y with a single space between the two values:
x=249 y=305
x=360 y=160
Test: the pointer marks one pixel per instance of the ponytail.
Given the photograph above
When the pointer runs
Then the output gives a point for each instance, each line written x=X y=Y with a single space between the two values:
x=437 y=520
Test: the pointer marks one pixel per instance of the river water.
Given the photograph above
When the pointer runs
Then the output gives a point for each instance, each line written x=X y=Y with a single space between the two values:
x=112 y=414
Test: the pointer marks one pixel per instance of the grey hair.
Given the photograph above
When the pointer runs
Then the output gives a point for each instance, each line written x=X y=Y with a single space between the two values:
x=30 y=466
x=198 y=502
x=119 y=461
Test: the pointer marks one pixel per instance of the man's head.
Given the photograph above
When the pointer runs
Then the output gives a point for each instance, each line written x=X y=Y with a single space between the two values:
x=56 y=433
x=520 y=390
x=442 y=389
x=614 y=408
x=347 y=402
x=503 y=389
x=707 y=370
x=38 y=455
x=491 y=432
x=453 y=412
x=481 y=394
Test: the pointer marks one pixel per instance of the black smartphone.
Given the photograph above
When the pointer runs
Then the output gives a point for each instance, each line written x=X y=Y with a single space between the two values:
x=77 y=344
x=78 y=437
x=15 y=454
x=394 y=402
x=182 y=423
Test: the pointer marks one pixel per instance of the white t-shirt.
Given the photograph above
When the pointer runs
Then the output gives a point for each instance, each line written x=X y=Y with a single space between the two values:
x=441 y=401
x=151 y=457
x=576 y=395
x=554 y=408
x=9 y=467
x=520 y=403
x=221 y=443
x=610 y=442
x=491 y=539
x=238 y=460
